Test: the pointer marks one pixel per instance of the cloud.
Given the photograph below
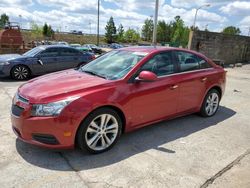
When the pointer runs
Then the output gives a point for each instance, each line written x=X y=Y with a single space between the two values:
x=197 y=3
x=16 y=3
x=132 y=4
x=236 y=8
x=168 y=13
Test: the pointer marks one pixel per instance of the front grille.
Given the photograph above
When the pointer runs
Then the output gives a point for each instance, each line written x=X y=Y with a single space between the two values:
x=16 y=110
x=45 y=139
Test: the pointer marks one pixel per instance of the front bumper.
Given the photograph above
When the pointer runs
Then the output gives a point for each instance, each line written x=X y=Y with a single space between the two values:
x=50 y=132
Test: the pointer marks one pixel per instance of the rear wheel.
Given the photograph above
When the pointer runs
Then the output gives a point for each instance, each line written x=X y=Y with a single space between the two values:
x=211 y=103
x=20 y=72
x=99 y=131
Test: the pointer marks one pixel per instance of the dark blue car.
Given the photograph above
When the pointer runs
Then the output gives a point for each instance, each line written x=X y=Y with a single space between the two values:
x=42 y=60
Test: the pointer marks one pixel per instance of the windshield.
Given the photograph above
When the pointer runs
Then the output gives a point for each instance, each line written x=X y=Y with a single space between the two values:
x=113 y=65
x=33 y=52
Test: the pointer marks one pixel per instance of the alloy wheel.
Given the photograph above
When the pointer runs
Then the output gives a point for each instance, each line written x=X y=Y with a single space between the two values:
x=20 y=72
x=101 y=132
x=212 y=103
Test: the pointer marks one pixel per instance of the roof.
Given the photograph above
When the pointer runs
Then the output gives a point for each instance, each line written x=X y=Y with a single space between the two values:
x=151 y=49
x=148 y=49
x=55 y=45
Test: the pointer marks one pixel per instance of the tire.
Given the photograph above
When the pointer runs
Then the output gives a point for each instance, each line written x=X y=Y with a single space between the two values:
x=20 y=72
x=210 y=104
x=97 y=137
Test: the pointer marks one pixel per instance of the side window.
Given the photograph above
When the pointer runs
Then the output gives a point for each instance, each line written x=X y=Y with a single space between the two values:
x=66 y=52
x=187 y=61
x=203 y=63
x=161 y=64
x=51 y=52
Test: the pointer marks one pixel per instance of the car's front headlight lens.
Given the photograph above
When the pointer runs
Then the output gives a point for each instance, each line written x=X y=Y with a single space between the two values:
x=50 y=109
x=4 y=63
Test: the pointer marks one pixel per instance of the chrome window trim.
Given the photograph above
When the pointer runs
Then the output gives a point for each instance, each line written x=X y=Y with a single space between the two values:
x=178 y=73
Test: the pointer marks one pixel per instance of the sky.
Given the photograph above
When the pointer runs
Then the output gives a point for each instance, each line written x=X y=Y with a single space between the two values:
x=81 y=15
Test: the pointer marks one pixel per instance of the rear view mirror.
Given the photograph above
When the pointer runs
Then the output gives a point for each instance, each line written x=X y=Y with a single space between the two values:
x=40 y=62
x=146 y=76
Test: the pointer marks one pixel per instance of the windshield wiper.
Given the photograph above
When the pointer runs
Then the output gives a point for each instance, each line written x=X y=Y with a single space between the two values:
x=93 y=73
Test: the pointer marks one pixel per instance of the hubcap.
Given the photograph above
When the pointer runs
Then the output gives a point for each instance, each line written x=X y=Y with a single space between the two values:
x=212 y=103
x=101 y=132
x=20 y=73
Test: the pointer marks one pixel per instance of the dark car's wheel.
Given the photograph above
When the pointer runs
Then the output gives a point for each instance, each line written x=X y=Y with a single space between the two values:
x=20 y=72
x=210 y=104
x=99 y=131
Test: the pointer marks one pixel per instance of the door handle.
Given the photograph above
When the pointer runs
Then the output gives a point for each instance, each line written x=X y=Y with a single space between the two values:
x=204 y=79
x=174 y=87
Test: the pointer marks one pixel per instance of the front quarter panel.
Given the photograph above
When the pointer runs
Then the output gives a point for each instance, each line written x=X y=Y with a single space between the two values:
x=115 y=95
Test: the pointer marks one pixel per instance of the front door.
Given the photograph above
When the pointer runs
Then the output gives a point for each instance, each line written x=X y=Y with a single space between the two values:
x=46 y=61
x=152 y=101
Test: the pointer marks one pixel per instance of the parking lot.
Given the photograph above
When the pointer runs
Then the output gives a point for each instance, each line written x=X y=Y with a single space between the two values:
x=185 y=152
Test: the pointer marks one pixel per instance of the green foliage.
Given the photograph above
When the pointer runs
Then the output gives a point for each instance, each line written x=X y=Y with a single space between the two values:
x=110 y=28
x=163 y=32
x=147 y=30
x=131 y=35
x=120 y=36
x=4 y=19
x=231 y=30
x=180 y=32
x=36 y=30
x=47 y=30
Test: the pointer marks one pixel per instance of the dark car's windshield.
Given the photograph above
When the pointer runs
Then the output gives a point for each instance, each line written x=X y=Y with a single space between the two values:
x=113 y=65
x=33 y=52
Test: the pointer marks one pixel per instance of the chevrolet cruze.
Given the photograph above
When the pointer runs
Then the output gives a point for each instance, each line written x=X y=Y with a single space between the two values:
x=118 y=92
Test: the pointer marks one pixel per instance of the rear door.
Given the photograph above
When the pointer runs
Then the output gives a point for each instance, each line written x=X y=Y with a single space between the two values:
x=193 y=75
x=68 y=58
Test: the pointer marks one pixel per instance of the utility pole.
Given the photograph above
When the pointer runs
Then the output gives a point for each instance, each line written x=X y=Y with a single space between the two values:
x=155 y=22
x=89 y=27
x=98 y=19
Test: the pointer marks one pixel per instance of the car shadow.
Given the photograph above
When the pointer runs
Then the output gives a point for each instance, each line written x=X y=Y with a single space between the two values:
x=130 y=144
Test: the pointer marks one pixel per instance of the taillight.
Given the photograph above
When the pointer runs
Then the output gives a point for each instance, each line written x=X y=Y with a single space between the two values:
x=92 y=57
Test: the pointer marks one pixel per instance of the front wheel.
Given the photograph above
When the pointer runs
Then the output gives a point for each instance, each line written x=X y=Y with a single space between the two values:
x=20 y=72
x=99 y=131
x=210 y=104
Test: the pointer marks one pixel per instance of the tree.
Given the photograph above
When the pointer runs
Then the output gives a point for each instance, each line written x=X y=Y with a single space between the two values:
x=163 y=31
x=110 y=31
x=47 y=30
x=147 y=29
x=180 y=32
x=131 y=35
x=120 y=33
x=231 y=30
x=36 y=30
x=4 y=19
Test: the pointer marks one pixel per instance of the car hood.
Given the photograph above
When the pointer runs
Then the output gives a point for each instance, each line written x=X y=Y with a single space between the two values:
x=9 y=57
x=58 y=85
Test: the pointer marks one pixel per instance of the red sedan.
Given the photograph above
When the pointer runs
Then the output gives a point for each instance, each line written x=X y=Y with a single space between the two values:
x=118 y=92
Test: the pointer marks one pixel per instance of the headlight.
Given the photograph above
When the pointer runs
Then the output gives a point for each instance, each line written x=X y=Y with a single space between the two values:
x=50 y=109
x=4 y=63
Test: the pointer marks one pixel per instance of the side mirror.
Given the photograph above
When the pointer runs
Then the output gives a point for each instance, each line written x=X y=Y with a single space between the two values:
x=146 y=76
x=40 y=62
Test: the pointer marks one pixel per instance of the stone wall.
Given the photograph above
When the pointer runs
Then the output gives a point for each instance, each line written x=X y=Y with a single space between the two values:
x=228 y=48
